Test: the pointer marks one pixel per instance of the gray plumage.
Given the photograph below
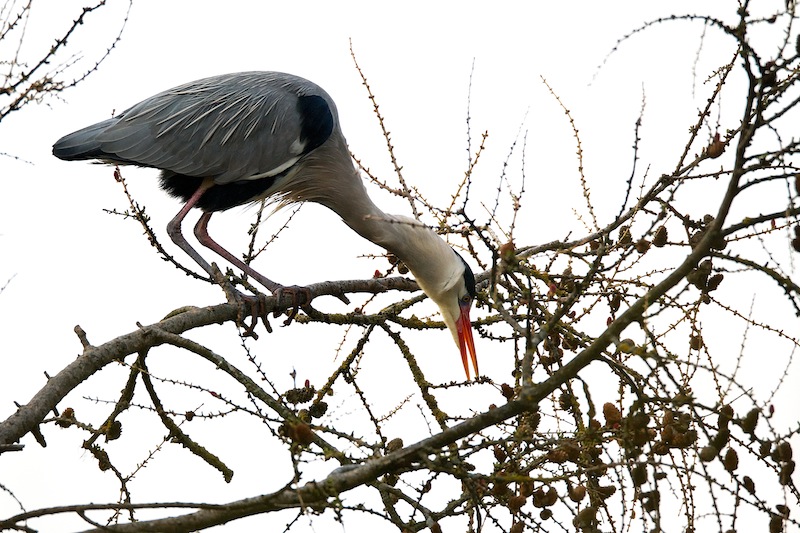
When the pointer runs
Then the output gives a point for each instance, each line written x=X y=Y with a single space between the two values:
x=237 y=138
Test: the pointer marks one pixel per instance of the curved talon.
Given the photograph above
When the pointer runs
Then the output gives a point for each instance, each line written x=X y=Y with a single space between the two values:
x=294 y=292
x=258 y=310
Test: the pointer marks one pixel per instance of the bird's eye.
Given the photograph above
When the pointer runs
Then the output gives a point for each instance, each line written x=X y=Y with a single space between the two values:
x=466 y=299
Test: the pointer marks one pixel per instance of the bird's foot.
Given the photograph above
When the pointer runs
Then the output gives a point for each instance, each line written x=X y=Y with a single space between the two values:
x=300 y=296
x=257 y=308
x=256 y=305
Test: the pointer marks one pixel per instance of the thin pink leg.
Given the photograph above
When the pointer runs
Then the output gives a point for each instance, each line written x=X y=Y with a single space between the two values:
x=299 y=295
x=174 y=227
x=201 y=232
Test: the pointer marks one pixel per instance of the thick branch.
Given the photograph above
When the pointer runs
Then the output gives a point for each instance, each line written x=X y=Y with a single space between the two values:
x=94 y=358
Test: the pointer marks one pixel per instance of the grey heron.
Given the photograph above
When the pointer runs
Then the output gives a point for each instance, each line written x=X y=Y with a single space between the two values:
x=239 y=138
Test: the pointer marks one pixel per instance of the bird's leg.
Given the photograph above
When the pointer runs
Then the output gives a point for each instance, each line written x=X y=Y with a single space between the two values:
x=174 y=227
x=299 y=295
x=257 y=305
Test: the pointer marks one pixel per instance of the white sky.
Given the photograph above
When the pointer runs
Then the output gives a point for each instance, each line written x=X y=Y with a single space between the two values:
x=74 y=264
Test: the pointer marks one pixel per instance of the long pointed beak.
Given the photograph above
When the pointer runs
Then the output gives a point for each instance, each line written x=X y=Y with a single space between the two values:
x=465 y=341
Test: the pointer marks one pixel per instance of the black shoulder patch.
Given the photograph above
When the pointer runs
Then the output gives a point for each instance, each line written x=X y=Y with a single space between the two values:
x=469 y=277
x=316 y=121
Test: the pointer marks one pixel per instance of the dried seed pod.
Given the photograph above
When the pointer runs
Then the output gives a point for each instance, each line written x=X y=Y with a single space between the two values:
x=500 y=490
x=696 y=341
x=614 y=303
x=748 y=484
x=699 y=276
x=517 y=527
x=720 y=440
x=668 y=434
x=612 y=414
x=684 y=440
x=639 y=420
x=318 y=409
x=713 y=282
x=506 y=251
x=507 y=391
x=775 y=524
x=625 y=236
x=577 y=493
x=606 y=492
x=67 y=418
x=545 y=514
x=298 y=432
x=769 y=76
x=764 y=449
x=538 y=498
x=731 y=460
x=515 y=503
x=103 y=461
x=499 y=453
x=113 y=431
x=684 y=420
x=394 y=445
x=725 y=415
x=650 y=500
x=660 y=238
x=586 y=518
x=749 y=422
x=558 y=455
x=659 y=448
x=565 y=401
x=642 y=245
x=639 y=474
x=300 y=395
x=716 y=147
x=708 y=453
x=784 y=451
x=785 y=473
x=551 y=497
x=573 y=451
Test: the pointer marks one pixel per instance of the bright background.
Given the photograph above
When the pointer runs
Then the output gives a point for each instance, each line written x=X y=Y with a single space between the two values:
x=74 y=264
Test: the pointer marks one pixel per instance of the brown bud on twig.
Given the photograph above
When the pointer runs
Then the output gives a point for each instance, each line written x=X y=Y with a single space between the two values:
x=660 y=238
x=731 y=460
x=394 y=445
x=749 y=422
x=612 y=414
x=577 y=493
x=716 y=147
x=708 y=453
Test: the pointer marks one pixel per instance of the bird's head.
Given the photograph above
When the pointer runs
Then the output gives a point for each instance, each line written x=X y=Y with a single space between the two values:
x=454 y=295
x=440 y=271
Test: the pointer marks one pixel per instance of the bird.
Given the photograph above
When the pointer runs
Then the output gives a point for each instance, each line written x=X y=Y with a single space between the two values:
x=235 y=139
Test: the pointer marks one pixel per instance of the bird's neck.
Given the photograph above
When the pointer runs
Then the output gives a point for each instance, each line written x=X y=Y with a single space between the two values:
x=329 y=178
x=426 y=254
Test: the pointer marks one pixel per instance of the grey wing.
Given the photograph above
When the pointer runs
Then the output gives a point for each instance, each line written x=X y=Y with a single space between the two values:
x=233 y=127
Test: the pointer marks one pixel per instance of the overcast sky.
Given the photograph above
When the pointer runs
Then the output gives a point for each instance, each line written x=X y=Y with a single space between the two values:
x=74 y=264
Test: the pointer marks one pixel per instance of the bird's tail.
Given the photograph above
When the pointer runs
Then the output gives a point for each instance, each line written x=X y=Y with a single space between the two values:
x=83 y=144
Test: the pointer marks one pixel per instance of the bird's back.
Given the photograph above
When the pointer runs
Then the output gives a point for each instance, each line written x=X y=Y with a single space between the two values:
x=231 y=127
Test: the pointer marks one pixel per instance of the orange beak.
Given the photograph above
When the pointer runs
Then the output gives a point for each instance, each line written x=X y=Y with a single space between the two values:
x=465 y=342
